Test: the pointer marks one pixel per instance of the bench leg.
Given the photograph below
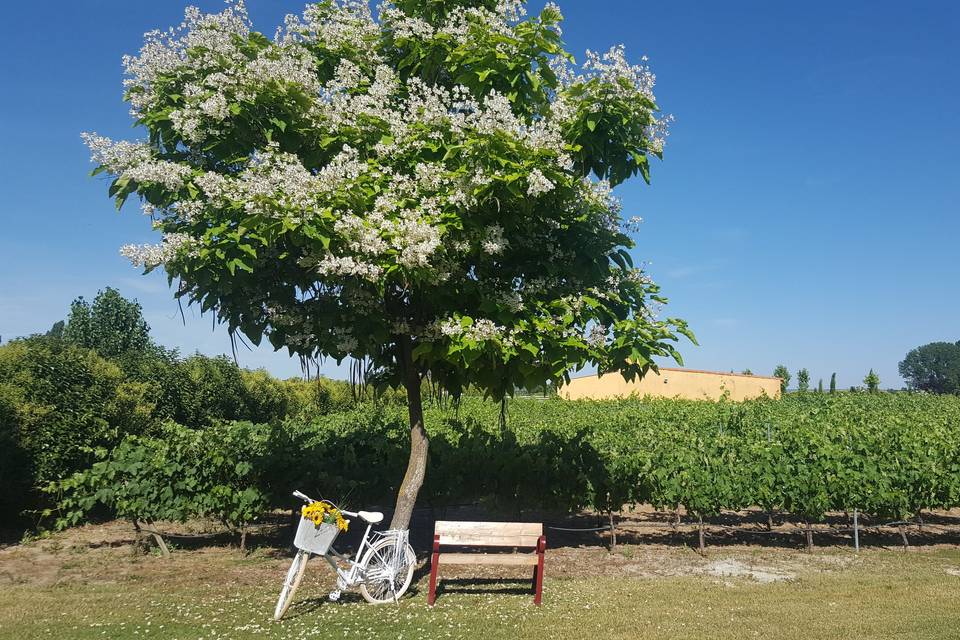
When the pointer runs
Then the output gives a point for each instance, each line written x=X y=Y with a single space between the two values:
x=538 y=571
x=434 y=565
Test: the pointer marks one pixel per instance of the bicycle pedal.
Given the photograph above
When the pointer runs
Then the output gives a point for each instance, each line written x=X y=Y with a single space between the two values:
x=334 y=595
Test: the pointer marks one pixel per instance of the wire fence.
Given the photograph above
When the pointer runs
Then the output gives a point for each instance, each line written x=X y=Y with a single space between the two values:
x=705 y=529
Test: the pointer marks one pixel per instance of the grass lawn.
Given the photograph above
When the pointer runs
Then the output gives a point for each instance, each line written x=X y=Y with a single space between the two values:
x=103 y=592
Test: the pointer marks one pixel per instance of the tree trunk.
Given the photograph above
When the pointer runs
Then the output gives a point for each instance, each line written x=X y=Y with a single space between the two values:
x=419 y=442
x=903 y=536
x=139 y=546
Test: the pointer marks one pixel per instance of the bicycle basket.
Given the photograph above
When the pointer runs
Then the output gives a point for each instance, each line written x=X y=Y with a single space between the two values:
x=313 y=538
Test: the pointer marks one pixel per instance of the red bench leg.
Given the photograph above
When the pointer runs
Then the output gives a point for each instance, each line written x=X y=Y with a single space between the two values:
x=538 y=572
x=434 y=565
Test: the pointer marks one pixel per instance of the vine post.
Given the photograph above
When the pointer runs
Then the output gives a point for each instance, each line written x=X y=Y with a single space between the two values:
x=703 y=547
x=856 y=531
x=903 y=535
x=613 y=532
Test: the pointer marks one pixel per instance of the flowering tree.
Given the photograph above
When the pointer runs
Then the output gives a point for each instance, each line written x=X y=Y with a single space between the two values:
x=427 y=190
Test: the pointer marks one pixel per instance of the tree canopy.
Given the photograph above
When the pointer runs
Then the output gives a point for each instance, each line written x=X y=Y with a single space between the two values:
x=112 y=325
x=934 y=367
x=438 y=175
x=427 y=190
x=783 y=373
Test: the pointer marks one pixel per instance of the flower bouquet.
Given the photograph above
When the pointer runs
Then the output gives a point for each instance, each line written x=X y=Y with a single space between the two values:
x=320 y=524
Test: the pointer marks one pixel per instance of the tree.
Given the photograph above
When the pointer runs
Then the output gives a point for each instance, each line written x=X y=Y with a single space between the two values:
x=784 y=374
x=58 y=403
x=111 y=326
x=820 y=386
x=833 y=383
x=56 y=331
x=747 y=372
x=934 y=367
x=872 y=380
x=803 y=380
x=428 y=192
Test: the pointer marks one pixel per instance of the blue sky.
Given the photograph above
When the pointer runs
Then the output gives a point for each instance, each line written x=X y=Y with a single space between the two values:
x=806 y=211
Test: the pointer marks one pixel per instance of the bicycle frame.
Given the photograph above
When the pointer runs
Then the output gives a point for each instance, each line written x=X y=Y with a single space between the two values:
x=352 y=577
x=356 y=572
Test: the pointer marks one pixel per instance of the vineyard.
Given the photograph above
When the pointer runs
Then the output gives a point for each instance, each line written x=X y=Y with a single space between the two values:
x=886 y=455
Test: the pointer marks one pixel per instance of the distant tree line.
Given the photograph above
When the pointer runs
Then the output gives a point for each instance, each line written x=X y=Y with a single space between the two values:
x=933 y=368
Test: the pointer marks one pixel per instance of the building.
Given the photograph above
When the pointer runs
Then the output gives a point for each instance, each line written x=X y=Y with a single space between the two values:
x=688 y=384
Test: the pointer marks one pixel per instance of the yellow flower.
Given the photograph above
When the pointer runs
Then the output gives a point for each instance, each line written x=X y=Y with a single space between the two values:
x=322 y=512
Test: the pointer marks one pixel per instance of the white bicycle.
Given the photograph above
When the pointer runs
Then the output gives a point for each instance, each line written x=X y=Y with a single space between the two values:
x=382 y=567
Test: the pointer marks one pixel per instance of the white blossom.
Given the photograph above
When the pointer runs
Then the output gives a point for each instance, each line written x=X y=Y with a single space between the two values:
x=134 y=161
x=404 y=26
x=345 y=342
x=511 y=10
x=415 y=239
x=597 y=335
x=117 y=157
x=613 y=67
x=632 y=225
x=164 y=52
x=493 y=241
x=481 y=330
x=538 y=183
x=332 y=265
x=154 y=255
x=657 y=133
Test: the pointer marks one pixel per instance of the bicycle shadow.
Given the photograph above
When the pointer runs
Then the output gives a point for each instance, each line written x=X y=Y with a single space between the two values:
x=309 y=605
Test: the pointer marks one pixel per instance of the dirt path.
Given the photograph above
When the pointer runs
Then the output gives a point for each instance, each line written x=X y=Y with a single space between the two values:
x=103 y=554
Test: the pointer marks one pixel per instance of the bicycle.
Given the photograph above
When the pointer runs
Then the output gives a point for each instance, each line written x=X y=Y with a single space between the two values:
x=382 y=567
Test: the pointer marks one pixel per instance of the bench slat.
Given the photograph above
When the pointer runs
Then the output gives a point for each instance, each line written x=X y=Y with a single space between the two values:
x=489 y=534
x=515 y=559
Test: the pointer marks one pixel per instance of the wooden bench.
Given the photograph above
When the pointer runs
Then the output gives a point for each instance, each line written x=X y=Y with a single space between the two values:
x=527 y=535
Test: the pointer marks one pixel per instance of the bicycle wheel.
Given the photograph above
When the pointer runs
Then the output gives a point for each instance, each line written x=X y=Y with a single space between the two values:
x=294 y=576
x=388 y=568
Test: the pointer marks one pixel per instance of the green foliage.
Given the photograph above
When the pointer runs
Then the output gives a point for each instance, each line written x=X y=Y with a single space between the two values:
x=208 y=390
x=421 y=194
x=872 y=380
x=833 y=383
x=181 y=474
x=934 y=367
x=112 y=325
x=784 y=374
x=803 y=380
x=60 y=402
x=16 y=468
x=890 y=455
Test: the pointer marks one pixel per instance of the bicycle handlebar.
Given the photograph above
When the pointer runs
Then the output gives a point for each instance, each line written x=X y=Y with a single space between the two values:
x=308 y=499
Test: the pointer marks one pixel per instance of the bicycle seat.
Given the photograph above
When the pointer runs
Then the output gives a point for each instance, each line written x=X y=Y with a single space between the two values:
x=371 y=517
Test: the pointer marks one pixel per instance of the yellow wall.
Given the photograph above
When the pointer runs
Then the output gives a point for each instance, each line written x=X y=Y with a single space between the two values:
x=673 y=383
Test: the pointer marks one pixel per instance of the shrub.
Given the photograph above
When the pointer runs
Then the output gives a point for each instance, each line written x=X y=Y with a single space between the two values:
x=59 y=402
